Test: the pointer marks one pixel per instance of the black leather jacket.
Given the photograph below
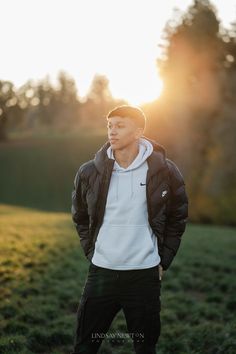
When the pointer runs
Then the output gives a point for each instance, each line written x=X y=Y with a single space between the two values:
x=167 y=212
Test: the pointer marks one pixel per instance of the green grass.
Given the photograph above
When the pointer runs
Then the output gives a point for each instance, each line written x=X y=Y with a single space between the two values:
x=43 y=270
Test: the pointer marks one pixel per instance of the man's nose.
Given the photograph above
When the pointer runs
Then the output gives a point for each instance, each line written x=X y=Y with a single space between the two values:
x=113 y=132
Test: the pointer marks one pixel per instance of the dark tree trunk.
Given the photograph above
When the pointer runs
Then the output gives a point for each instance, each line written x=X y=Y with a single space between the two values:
x=3 y=123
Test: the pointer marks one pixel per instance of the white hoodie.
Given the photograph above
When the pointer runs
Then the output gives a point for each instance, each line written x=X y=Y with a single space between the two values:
x=125 y=239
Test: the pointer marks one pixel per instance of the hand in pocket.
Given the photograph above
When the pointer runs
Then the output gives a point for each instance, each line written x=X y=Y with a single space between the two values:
x=161 y=272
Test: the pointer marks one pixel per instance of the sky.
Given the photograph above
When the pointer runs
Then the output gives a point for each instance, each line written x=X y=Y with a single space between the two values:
x=116 y=38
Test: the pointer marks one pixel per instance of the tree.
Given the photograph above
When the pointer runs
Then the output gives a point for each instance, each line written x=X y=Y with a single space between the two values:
x=7 y=102
x=196 y=67
x=98 y=102
x=192 y=57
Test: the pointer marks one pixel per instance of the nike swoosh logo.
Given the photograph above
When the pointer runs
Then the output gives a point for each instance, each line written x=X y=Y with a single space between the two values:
x=142 y=184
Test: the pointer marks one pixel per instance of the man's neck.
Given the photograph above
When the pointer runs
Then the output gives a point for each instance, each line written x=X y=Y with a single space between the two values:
x=124 y=157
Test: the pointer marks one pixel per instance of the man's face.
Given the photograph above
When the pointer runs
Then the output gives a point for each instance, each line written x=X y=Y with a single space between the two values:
x=122 y=132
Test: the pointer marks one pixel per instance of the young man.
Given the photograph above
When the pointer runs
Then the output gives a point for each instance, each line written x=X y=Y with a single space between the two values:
x=130 y=209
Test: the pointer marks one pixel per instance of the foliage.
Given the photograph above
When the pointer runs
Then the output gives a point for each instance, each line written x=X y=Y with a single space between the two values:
x=195 y=118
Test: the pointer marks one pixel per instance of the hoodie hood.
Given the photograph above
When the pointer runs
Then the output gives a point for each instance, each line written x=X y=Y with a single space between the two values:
x=156 y=160
x=145 y=150
x=104 y=161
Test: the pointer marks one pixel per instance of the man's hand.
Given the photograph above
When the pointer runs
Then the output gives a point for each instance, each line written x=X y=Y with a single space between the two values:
x=161 y=272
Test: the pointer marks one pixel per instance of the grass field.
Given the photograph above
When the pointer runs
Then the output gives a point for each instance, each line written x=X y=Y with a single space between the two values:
x=42 y=272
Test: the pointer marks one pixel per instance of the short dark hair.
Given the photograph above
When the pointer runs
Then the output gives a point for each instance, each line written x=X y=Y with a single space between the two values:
x=132 y=112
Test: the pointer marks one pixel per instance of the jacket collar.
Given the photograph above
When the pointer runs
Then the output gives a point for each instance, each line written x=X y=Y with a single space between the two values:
x=156 y=161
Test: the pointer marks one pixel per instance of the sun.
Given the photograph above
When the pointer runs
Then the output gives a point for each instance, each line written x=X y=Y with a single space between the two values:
x=146 y=93
x=137 y=83
x=138 y=93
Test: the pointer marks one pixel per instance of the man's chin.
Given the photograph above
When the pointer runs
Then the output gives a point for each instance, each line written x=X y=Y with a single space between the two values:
x=119 y=145
x=114 y=145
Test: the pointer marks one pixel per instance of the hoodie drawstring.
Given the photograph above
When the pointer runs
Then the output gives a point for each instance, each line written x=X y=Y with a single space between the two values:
x=117 y=184
x=132 y=184
x=147 y=149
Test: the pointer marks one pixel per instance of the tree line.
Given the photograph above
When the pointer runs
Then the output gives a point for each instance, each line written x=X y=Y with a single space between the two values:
x=194 y=118
x=40 y=104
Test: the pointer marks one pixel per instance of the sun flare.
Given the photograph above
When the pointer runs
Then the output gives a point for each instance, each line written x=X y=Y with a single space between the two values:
x=145 y=93
x=117 y=39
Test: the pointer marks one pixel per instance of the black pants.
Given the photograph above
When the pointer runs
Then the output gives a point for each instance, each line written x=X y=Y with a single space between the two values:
x=106 y=292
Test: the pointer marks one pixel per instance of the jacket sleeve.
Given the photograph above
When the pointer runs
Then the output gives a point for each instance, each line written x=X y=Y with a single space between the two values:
x=79 y=211
x=177 y=216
